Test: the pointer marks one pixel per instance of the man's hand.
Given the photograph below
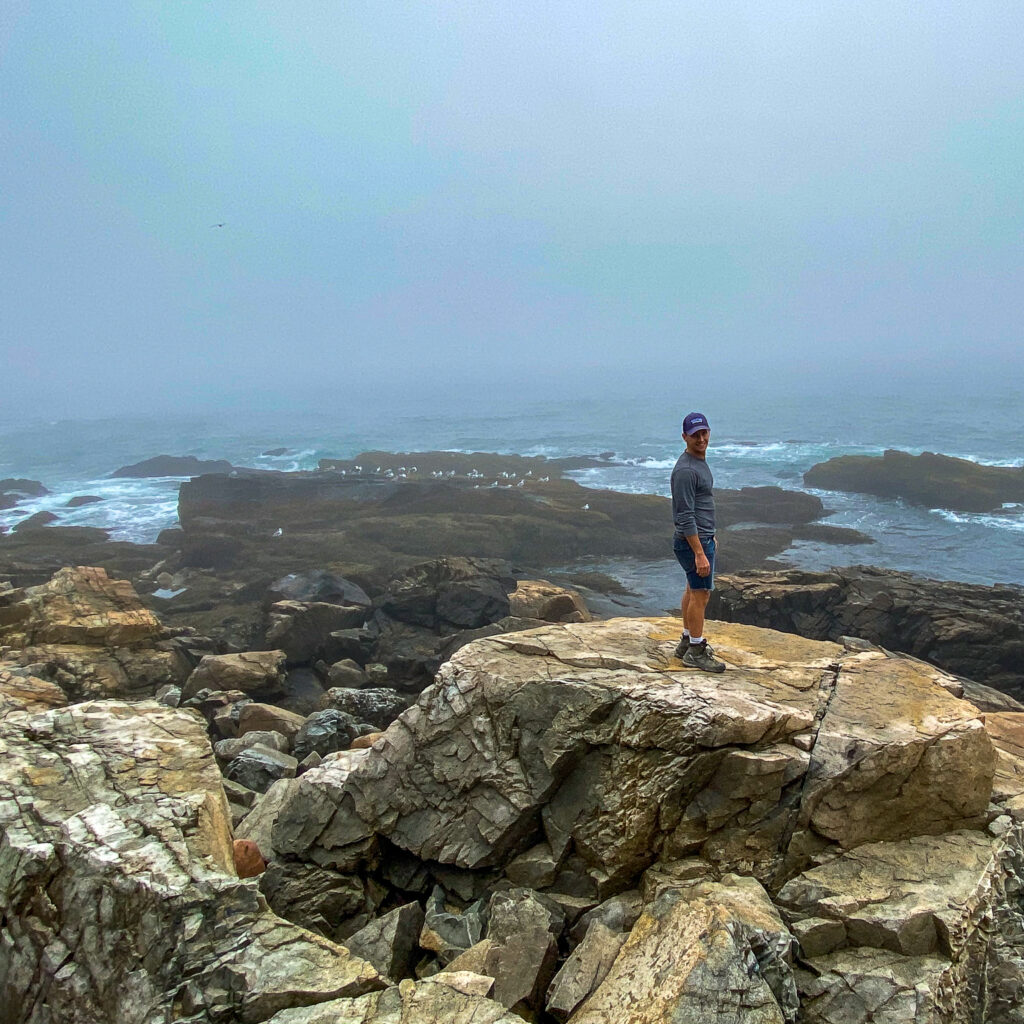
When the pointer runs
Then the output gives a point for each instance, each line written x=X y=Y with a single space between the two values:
x=703 y=565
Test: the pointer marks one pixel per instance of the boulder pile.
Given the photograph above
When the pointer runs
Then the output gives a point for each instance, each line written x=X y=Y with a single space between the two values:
x=567 y=825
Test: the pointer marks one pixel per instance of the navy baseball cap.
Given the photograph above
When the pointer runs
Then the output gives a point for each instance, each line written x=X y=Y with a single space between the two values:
x=695 y=421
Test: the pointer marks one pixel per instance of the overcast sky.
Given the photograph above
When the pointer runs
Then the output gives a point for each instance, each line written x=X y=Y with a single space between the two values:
x=468 y=191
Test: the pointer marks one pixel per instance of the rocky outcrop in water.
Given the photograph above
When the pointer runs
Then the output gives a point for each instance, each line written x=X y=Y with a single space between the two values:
x=974 y=631
x=172 y=465
x=934 y=481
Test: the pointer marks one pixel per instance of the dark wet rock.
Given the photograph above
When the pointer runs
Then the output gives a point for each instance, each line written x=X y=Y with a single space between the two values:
x=325 y=732
x=34 y=522
x=973 y=631
x=391 y=942
x=448 y=931
x=318 y=585
x=303 y=691
x=22 y=487
x=303 y=629
x=258 y=767
x=449 y=594
x=274 y=452
x=173 y=465
x=328 y=902
x=378 y=706
x=934 y=481
x=82 y=499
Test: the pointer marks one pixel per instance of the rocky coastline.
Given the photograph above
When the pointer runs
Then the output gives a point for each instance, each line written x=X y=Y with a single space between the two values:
x=338 y=749
x=561 y=823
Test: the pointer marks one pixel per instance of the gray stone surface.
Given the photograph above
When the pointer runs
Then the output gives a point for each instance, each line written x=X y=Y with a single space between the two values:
x=117 y=881
x=391 y=942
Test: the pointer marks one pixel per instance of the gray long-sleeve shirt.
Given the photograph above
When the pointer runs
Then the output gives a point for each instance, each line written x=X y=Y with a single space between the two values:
x=693 y=500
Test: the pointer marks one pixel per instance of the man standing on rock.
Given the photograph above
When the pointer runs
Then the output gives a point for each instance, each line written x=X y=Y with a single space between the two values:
x=693 y=509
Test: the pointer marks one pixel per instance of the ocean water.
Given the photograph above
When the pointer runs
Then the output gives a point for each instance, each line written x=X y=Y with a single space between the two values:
x=763 y=434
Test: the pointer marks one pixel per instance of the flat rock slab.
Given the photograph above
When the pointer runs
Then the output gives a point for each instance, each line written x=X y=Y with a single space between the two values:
x=118 y=880
x=594 y=735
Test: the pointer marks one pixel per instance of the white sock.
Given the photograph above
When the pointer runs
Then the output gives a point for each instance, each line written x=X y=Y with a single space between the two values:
x=696 y=639
x=686 y=634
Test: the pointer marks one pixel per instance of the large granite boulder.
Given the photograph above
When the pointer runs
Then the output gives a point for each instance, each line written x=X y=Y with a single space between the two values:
x=119 y=895
x=539 y=599
x=595 y=739
x=974 y=631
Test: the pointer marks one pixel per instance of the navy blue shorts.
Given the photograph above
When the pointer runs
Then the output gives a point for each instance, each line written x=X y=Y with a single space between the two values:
x=687 y=559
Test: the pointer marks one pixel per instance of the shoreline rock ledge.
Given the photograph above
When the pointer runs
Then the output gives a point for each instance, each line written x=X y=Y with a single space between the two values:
x=790 y=828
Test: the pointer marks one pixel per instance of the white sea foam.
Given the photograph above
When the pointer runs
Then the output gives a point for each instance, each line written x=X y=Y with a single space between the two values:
x=995 y=520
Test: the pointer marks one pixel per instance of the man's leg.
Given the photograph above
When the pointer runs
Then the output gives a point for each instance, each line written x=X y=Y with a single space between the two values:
x=693 y=613
x=699 y=655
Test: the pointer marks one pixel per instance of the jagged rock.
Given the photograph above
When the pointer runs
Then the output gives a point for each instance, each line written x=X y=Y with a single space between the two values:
x=320 y=586
x=915 y=897
x=347 y=674
x=258 y=674
x=379 y=706
x=585 y=969
x=447 y=932
x=258 y=824
x=708 y=952
x=265 y=717
x=77 y=606
x=539 y=599
x=970 y=630
x=169 y=695
x=238 y=794
x=303 y=629
x=523 y=934
x=857 y=986
x=22 y=691
x=536 y=868
x=311 y=760
x=325 y=732
x=390 y=942
x=228 y=750
x=331 y=903
x=118 y=878
x=465 y=981
x=618 y=914
x=259 y=767
x=85 y=672
x=598 y=733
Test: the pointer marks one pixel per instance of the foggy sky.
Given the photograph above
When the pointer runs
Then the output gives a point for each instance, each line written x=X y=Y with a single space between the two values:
x=457 y=195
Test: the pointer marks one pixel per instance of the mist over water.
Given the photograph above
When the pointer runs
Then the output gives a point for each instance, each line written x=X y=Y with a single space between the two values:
x=764 y=432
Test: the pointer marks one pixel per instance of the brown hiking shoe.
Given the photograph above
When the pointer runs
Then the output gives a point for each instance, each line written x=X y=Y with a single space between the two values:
x=703 y=657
